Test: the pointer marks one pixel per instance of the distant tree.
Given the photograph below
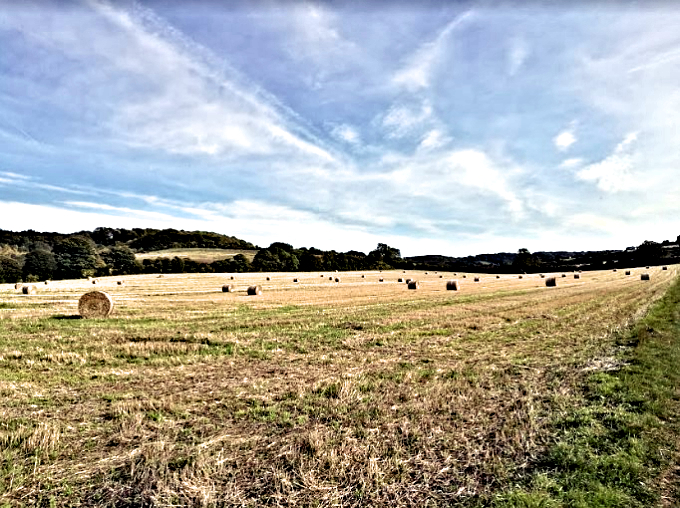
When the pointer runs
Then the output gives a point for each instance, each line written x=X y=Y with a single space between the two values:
x=76 y=257
x=177 y=265
x=241 y=264
x=310 y=262
x=648 y=252
x=384 y=257
x=10 y=271
x=525 y=261
x=40 y=264
x=120 y=260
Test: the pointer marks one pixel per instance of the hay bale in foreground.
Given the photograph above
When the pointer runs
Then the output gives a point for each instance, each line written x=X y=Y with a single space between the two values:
x=414 y=284
x=29 y=290
x=551 y=282
x=644 y=276
x=627 y=272
x=95 y=304
x=254 y=290
x=577 y=276
x=452 y=285
x=228 y=288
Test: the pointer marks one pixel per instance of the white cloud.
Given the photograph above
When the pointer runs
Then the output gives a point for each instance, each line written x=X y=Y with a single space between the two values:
x=433 y=139
x=346 y=133
x=403 y=118
x=564 y=140
x=614 y=173
x=571 y=163
x=417 y=71
x=519 y=51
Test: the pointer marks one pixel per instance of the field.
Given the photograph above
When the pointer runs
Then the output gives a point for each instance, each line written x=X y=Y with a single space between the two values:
x=315 y=393
x=198 y=255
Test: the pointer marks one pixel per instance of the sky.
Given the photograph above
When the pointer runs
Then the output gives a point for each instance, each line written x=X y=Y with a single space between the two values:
x=451 y=128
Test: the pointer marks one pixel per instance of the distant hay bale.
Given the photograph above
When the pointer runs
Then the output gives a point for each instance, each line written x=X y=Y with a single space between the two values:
x=452 y=285
x=29 y=290
x=269 y=278
x=521 y=277
x=542 y=276
x=95 y=281
x=436 y=273
x=476 y=279
x=404 y=271
x=337 y=279
x=381 y=279
x=321 y=275
x=228 y=288
x=414 y=284
x=577 y=276
x=441 y=276
x=551 y=282
x=408 y=281
x=47 y=282
x=18 y=285
x=121 y=282
x=231 y=278
x=614 y=270
x=647 y=267
x=644 y=276
x=159 y=277
x=664 y=268
x=254 y=290
x=95 y=304
x=426 y=273
x=296 y=280
x=564 y=275
x=627 y=272
x=400 y=280
x=330 y=278
x=464 y=276
x=498 y=276
x=363 y=276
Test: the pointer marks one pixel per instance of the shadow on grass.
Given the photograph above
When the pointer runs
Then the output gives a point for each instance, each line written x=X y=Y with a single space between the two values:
x=64 y=316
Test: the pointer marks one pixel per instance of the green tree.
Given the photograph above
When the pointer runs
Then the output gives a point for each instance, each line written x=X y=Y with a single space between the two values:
x=120 y=260
x=525 y=261
x=648 y=253
x=40 y=264
x=384 y=257
x=76 y=257
x=10 y=271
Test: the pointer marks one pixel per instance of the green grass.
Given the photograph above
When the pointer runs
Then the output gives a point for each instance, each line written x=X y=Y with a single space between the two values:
x=615 y=448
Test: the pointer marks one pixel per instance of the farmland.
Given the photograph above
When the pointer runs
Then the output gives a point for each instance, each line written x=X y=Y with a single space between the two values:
x=199 y=255
x=350 y=393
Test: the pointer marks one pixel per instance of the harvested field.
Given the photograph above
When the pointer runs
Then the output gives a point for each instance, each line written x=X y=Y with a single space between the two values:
x=312 y=394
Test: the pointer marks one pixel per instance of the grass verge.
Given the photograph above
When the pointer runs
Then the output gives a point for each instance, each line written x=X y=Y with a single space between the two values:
x=619 y=448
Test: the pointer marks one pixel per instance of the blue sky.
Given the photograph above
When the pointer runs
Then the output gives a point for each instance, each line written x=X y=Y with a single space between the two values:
x=447 y=128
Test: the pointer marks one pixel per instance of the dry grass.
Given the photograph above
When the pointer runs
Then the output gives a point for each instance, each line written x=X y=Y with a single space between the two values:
x=198 y=255
x=312 y=394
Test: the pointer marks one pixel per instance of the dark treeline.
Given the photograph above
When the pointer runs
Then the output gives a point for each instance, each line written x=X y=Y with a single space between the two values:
x=31 y=256
x=647 y=253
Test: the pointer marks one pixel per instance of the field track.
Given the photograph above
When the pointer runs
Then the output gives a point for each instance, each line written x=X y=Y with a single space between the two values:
x=352 y=393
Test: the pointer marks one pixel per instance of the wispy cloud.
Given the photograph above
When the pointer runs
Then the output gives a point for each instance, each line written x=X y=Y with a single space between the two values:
x=615 y=172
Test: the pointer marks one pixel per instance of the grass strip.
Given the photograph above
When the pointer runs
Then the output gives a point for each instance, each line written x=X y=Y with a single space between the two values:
x=619 y=448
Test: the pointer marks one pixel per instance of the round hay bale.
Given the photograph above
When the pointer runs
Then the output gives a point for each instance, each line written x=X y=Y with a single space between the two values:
x=330 y=278
x=498 y=276
x=476 y=279
x=464 y=276
x=29 y=290
x=436 y=273
x=426 y=273
x=160 y=276
x=414 y=284
x=47 y=282
x=627 y=272
x=452 y=285
x=337 y=279
x=363 y=276
x=542 y=276
x=95 y=281
x=295 y=280
x=577 y=276
x=269 y=278
x=18 y=285
x=254 y=290
x=551 y=282
x=441 y=276
x=614 y=270
x=381 y=279
x=400 y=280
x=121 y=282
x=231 y=278
x=408 y=281
x=404 y=271
x=95 y=304
x=664 y=268
x=644 y=276
x=647 y=267
x=228 y=288
x=521 y=277
x=564 y=275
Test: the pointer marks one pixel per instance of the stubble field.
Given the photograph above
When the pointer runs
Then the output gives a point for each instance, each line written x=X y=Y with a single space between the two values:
x=316 y=393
